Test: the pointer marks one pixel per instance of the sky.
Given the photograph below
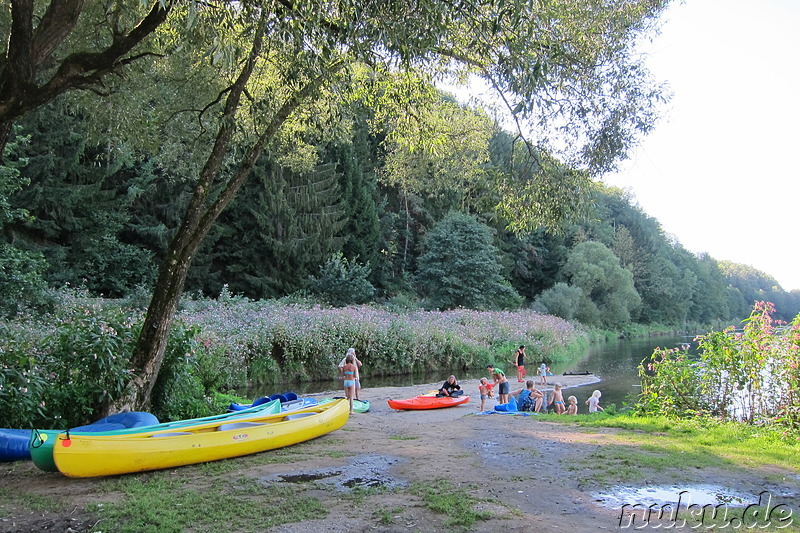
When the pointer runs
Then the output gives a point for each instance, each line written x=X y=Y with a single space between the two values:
x=720 y=171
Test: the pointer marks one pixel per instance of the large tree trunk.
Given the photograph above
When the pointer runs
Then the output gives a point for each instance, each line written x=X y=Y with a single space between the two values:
x=200 y=216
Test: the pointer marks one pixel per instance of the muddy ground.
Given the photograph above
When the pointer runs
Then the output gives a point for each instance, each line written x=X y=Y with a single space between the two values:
x=527 y=474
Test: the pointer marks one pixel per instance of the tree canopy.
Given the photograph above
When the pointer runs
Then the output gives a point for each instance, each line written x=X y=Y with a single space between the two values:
x=460 y=267
x=213 y=86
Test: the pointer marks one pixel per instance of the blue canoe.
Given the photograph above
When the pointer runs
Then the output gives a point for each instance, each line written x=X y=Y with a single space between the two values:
x=289 y=402
x=14 y=444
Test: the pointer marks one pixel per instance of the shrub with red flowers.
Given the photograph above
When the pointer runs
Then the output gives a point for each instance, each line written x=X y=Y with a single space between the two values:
x=752 y=375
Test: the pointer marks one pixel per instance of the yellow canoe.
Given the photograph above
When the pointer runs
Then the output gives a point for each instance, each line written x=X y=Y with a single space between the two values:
x=88 y=455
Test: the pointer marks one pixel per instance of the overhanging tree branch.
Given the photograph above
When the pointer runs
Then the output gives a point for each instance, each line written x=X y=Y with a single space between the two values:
x=31 y=50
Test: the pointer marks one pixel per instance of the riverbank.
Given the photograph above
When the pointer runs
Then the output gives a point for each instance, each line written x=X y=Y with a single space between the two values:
x=397 y=471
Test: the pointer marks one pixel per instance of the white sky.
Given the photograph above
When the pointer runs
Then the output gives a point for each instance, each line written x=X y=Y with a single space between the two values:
x=720 y=171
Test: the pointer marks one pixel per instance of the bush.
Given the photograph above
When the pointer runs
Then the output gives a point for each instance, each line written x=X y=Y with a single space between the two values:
x=69 y=368
x=23 y=378
x=341 y=282
x=752 y=376
x=179 y=392
x=460 y=267
x=561 y=300
x=66 y=370
x=89 y=362
x=276 y=342
x=21 y=283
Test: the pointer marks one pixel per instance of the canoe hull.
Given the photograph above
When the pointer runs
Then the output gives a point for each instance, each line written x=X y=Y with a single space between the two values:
x=87 y=455
x=43 y=442
x=359 y=406
x=427 y=402
x=14 y=444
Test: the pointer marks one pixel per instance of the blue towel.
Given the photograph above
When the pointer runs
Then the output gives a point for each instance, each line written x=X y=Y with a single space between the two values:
x=510 y=407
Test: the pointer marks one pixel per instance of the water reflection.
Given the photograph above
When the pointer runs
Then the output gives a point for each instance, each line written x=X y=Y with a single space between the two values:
x=616 y=363
x=673 y=494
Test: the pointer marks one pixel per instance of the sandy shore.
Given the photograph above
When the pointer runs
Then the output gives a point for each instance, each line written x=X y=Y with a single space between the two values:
x=524 y=473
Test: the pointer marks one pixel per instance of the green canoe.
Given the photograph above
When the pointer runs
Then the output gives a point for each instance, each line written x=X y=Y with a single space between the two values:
x=359 y=406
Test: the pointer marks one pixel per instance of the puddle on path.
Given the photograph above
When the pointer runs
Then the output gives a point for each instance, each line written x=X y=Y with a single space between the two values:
x=308 y=476
x=700 y=495
x=364 y=471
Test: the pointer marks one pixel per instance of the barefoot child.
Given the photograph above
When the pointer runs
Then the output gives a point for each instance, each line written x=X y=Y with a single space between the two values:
x=594 y=402
x=573 y=405
x=485 y=390
x=558 y=399
x=499 y=378
x=349 y=370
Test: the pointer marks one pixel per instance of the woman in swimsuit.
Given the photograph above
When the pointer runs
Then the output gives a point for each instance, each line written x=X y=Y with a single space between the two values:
x=349 y=370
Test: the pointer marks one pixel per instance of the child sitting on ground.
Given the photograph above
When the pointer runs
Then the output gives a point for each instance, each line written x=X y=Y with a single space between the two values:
x=486 y=391
x=573 y=405
x=528 y=399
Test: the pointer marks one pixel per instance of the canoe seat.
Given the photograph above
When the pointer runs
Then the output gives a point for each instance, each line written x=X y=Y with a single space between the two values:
x=298 y=415
x=238 y=425
x=172 y=434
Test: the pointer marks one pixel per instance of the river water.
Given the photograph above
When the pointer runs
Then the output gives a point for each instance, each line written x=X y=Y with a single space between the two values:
x=615 y=363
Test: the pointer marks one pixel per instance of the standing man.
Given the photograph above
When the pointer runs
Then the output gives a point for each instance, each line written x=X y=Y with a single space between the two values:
x=519 y=362
x=503 y=388
x=352 y=351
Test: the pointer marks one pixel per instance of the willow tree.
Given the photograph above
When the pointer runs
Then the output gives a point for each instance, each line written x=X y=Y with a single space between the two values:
x=58 y=46
x=565 y=70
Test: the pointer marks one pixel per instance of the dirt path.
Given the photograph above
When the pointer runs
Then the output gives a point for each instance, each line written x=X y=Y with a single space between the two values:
x=530 y=475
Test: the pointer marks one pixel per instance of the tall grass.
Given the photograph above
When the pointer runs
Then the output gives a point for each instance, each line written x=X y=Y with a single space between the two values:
x=274 y=341
x=82 y=351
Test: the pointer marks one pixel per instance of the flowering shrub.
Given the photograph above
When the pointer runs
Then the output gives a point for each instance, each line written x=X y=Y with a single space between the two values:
x=22 y=378
x=275 y=341
x=670 y=384
x=65 y=370
x=189 y=375
x=752 y=375
x=88 y=361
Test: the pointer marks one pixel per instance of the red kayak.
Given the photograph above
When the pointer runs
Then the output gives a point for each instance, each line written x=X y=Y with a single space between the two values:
x=428 y=402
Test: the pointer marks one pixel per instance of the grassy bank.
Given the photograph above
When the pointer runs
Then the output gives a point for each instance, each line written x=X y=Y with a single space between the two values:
x=665 y=444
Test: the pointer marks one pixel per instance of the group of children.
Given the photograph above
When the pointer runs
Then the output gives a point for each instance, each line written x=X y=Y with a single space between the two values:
x=530 y=399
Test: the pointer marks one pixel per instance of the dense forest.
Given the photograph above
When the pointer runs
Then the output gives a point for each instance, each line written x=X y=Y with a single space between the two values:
x=369 y=222
x=151 y=150
x=162 y=154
